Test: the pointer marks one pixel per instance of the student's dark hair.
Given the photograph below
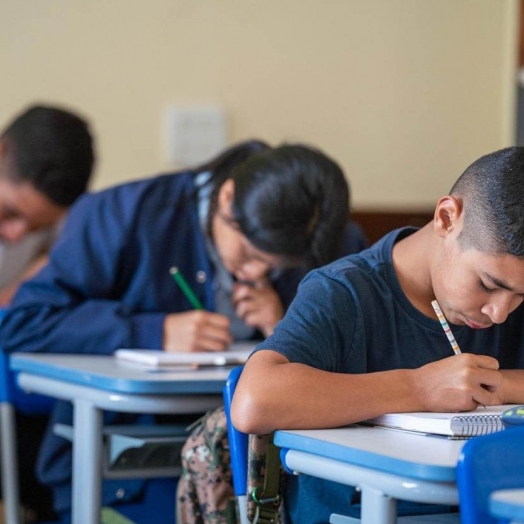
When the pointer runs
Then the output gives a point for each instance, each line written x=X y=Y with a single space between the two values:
x=52 y=149
x=492 y=189
x=290 y=200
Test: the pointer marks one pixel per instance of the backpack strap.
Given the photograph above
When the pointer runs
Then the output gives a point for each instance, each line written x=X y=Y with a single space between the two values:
x=264 y=480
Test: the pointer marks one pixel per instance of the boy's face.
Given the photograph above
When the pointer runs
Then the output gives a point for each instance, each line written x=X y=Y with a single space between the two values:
x=24 y=209
x=474 y=288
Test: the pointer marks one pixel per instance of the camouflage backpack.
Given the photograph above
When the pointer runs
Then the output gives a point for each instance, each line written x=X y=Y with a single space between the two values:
x=205 y=490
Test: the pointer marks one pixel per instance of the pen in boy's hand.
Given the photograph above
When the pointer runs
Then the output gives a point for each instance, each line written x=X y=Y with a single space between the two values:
x=447 y=330
x=445 y=327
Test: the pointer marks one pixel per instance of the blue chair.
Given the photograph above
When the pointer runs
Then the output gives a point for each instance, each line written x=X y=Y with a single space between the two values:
x=13 y=399
x=238 y=444
x=489 y=463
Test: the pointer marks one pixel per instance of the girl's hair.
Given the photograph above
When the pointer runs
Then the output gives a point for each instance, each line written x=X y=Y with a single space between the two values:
x=290 y=200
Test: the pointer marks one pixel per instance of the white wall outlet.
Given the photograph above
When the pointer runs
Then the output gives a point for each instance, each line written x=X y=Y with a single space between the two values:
x=193 y=135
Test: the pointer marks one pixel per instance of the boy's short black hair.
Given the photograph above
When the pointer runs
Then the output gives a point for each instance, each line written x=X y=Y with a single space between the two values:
x=492 y=190
x=51 y=148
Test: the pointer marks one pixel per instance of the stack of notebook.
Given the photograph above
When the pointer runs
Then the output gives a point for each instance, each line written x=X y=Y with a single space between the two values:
x=483 y=421
x=237 y=354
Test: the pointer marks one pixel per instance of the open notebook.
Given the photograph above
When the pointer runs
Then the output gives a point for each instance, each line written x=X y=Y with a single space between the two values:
x=467 y=424
x=154 y=358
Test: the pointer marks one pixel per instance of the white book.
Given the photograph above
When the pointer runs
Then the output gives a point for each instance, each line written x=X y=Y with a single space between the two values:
x=482 y=421
x=237 y=354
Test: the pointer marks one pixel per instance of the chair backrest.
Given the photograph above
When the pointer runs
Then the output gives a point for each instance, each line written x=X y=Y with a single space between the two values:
x=486 y=464
x=246 y=457
x=238 y=441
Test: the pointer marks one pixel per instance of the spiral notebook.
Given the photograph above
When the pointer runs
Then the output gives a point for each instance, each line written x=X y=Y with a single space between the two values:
x=482 y=421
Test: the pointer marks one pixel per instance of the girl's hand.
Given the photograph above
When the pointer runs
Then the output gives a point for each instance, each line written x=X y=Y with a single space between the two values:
x=258 y=304
x=197 y=330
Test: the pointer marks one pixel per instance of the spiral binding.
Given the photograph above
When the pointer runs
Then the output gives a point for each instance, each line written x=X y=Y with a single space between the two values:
x=475 y=425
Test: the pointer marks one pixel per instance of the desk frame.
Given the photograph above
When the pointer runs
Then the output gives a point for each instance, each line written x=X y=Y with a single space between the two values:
x=89 y=402
x=382 y=474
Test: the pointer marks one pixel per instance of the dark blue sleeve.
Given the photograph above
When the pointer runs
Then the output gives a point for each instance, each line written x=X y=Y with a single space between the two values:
x=74 y=303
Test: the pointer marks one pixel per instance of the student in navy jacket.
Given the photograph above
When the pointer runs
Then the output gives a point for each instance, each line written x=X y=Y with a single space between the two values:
x=243 y=230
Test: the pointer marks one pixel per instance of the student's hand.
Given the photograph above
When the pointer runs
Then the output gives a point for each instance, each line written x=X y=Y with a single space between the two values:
x=459 y=383
x=513 y=386
x=197 y=330
x=259 y=305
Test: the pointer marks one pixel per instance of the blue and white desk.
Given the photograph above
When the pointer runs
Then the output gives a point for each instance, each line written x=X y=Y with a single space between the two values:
x=508 y=504
x=96 y=383
x=386 y=465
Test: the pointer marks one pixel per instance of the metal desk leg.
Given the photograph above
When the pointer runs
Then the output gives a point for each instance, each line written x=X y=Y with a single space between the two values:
x=87 y=463
x=377 y=507
x=10 y=487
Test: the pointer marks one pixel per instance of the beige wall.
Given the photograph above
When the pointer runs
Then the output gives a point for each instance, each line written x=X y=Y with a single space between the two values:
x=404 y=93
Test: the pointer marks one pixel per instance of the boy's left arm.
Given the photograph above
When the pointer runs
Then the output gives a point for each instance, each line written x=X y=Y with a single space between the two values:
x=512 y=386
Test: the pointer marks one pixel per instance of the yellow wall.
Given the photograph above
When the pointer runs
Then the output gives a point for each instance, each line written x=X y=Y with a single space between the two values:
x=404 y=93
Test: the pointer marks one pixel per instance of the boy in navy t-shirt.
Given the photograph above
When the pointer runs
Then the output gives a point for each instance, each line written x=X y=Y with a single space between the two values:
x=362 y=339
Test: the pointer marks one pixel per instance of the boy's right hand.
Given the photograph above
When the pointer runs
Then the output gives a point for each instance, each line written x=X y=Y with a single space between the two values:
x=459 y=383
x=196 y=330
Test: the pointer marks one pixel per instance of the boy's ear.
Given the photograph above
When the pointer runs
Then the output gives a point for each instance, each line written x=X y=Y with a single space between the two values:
x=226 y=194
x=448 y=215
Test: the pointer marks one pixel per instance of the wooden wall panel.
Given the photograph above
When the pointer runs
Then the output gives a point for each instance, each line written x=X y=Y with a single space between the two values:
x=377 y=223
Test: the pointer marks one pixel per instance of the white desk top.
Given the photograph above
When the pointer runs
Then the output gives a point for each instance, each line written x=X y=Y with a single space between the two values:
x=108 y=373
x=403 y=453
x=508 y=504
x=94 y=383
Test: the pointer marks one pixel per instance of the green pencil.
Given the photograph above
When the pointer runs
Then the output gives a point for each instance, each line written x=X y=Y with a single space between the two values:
x=184 y=286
